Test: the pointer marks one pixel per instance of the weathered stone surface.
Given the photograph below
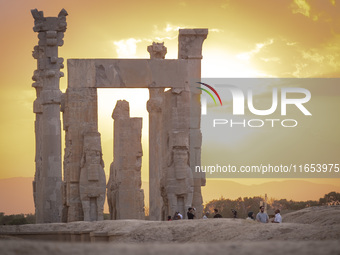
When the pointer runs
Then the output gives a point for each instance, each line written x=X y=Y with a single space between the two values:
x=47 y=181
x=155 y=108
x=157 y=50
x=125 y=196
x=92 y=180
x=127 y=73
x=80 y=119
x=178 y=179
x=190 y=43
x=190 y=47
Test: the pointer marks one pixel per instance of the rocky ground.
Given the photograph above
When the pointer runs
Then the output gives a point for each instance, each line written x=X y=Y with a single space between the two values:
x=313 y=230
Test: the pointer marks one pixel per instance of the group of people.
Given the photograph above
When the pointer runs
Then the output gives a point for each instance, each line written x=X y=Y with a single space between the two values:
x=260 y=217
x=264 y=218
x=178 y=216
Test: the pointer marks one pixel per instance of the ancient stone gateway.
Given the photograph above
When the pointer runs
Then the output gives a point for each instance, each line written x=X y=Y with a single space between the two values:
x=174 y=131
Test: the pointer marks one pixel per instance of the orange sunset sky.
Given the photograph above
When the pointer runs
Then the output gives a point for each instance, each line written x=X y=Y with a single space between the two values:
x=247 y=38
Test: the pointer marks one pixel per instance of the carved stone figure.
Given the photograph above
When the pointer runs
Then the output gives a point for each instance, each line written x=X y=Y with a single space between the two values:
x=92 y=178
x=179 y=181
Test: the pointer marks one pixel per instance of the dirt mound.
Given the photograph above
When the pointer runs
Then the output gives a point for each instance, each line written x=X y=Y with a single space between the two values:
x=310 y=231
x=317 y=215
x=230 y=248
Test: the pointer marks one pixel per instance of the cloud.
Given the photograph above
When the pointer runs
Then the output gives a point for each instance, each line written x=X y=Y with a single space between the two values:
x=313 y=56
x=217 y=30
x=126 y=48
x=248 y=55
x=273 y=59
x=170 y=31
x=301 y=6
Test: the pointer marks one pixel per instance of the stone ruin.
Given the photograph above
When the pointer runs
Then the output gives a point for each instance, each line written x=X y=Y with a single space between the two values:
x=124 y=193
x=174 y=131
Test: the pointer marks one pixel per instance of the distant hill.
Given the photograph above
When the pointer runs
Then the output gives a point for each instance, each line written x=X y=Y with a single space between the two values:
x=16 y=194
x=298 y=190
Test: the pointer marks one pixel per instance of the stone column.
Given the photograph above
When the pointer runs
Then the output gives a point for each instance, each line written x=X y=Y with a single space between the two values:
x=80 y=119
x=154 y=107
x=47 y=190
x=176 y=124
x=190 y=47
x=124 y=193
x=37 y=109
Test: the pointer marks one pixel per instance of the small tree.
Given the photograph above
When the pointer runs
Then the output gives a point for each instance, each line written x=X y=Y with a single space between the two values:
x=330 y=199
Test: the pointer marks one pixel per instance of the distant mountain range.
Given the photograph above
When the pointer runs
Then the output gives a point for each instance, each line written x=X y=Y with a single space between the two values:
x=16 y=194
x=298 y=190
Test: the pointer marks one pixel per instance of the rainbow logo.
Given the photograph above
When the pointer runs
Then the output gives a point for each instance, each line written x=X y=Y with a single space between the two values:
x=212 y=89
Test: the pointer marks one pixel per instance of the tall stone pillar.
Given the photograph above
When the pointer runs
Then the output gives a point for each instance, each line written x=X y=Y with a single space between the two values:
x=81 y=132
x=176 y=123
x=124 y=193
x=154 y=107
x=48 y=180
x=190 y=47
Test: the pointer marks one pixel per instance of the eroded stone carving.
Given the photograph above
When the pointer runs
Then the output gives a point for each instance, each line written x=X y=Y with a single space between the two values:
x=80 y=120
x=92 y=178
x=125 y=196
x=190 y=47
x=157 y=50
x=156 y=175
x=47 y=181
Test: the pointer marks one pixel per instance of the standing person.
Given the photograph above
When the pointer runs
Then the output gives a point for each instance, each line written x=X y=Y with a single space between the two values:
x=190 y=213
x=217 y=215
x=176 y=216
x=250 y=216
x=180 y=215
x=262 y=216
x=278 y=218
x=206 y=216
x=234 y=212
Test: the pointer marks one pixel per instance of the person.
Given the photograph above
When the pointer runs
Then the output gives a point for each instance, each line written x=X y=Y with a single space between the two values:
x=234 y=213
x=190 y=213
x=169 y=218
x=217 y=215
x=180 y=215
x=262 y=216
x=250 y=216
x=206 y=216
x=278 y=218
x=176 y=216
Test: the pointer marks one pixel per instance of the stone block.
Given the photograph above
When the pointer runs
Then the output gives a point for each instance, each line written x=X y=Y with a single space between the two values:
x=127 y=73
